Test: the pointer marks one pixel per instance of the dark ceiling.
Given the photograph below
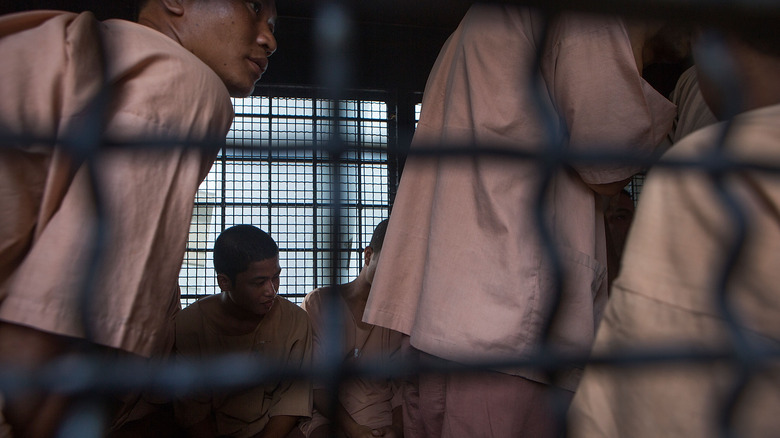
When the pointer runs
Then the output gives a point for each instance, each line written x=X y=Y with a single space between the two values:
x=392 y=44
x=427 y=13
x=422 y=13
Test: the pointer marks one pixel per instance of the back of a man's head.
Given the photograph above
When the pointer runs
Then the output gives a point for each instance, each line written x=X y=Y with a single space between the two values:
x=239 y=246
x=378 y=238
x=738 y=65
x=764 y=38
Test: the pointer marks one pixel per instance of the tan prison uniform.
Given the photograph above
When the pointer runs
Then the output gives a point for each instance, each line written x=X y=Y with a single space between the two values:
x=53 y=65
x=369 y=402
x=282 y=337
x=665 y=298
x=463 y=270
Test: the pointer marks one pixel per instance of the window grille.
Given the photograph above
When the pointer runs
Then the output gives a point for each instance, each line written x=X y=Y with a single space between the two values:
x=272 y=174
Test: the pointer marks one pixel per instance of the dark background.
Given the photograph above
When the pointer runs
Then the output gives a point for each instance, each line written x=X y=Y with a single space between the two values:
x=392 y=43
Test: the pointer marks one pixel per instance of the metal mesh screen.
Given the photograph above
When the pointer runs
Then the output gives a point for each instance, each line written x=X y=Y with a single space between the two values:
x=316 y=173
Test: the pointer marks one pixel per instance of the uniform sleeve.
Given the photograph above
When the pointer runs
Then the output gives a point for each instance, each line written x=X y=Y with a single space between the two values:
x=295 y=397
x=601 y=97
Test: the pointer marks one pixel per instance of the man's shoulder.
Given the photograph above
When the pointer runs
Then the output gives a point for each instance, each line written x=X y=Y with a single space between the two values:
x=760 y=127
x=289 y=308
x=131 y=42
x=190 y=317
x=158 y=79
x=292 y=317
x=313 y=298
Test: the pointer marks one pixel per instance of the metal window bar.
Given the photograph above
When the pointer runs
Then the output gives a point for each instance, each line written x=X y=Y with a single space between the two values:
x=90 y=377
x=272 y=174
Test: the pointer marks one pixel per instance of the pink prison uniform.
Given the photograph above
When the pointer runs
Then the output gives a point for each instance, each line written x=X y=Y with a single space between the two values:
x=463 y=270
x=665 y=298
x=692 y=112
x=51 y=70
x=369 y=402
x=282 y=337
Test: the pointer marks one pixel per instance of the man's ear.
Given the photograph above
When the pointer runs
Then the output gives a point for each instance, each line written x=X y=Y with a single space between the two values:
x=175 y=7
x=224 y=282
x=367 y=253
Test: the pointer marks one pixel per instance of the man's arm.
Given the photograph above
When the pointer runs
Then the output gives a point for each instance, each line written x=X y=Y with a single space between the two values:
x=291 y=399
x=396 y=430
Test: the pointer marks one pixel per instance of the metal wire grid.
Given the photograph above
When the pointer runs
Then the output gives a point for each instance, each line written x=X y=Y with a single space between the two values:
x=90 y=378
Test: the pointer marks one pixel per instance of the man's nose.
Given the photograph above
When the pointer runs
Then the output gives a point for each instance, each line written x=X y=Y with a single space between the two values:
x=266 y=38
x=270 y=289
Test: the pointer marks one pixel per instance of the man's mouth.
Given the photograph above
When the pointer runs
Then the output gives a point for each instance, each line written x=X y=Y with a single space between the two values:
x=260 y=63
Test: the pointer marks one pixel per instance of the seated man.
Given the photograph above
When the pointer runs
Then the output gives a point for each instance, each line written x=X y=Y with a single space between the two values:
x=364 y=406
x=249 y=317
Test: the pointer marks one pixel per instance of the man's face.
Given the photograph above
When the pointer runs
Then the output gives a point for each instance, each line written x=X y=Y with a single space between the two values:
x=233 y=37
x=255 y=289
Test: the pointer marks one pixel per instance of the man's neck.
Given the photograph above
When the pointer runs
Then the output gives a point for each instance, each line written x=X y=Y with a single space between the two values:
x=355 y=294
x=152 y=15
x=234 y=319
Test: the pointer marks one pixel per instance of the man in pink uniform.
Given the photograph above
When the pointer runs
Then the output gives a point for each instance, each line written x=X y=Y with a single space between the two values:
x=464 y=271
x=168 y=80
x=365 y=406
x=666 y=297
x=247 y=318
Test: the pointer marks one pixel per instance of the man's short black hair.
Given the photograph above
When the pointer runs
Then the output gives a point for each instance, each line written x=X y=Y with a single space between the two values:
x=378 y=238
x=239 y=246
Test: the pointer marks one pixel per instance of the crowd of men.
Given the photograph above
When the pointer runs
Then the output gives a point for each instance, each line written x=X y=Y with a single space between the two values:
x=485 y=260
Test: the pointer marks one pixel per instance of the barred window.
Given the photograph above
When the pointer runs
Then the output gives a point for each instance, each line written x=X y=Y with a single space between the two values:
x=273 y=174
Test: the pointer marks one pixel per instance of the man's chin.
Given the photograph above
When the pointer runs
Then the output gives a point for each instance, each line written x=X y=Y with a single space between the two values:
x=241 y=91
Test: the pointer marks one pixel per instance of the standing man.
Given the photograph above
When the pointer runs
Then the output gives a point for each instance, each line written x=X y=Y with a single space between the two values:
x=365 y=407
x=464 y=270
x=668 y=296
x=161 y=88
x=247 y=318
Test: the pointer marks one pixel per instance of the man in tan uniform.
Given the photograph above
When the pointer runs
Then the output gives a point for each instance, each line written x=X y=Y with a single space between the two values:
x=464 y=271
x=666 y=297
x=365 y=407
x=166 y=79
x=248 y=317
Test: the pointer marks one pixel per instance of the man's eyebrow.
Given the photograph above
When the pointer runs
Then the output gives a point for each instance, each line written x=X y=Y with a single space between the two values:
x=260 y=277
